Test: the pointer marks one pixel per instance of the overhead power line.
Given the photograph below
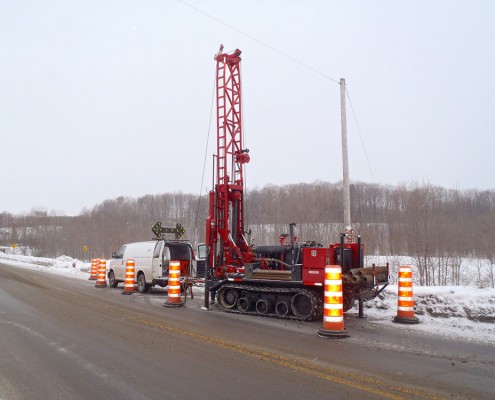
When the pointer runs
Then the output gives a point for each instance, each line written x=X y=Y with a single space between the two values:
x=295 y=60
x=360 y=137
x=261 y=42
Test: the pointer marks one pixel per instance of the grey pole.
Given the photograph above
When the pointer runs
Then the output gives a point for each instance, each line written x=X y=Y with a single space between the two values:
x=345 y=161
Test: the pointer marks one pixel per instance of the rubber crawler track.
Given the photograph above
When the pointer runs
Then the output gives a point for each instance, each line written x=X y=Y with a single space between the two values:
x=255 y=290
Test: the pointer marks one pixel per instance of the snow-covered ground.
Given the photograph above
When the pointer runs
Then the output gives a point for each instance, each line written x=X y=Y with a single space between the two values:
x=461 y=313
x=62 y=265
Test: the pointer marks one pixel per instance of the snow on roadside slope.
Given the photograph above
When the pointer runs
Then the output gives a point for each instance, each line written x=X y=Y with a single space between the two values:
x=460 y=313
x=62 y=265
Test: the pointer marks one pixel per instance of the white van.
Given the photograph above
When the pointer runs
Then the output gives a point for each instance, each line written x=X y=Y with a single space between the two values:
x=151 y=261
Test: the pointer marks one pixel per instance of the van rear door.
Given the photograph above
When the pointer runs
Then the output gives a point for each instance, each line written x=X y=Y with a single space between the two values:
x=156 y=263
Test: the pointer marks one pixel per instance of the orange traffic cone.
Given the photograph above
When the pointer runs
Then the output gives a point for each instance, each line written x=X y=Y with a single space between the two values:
x=173 y=297
x=94 y=270
x=129 y=284
x=405 y=304
x=102 y=274
x=333 y=311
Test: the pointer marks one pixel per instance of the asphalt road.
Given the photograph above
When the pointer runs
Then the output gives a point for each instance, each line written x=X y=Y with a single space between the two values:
x=62 y=338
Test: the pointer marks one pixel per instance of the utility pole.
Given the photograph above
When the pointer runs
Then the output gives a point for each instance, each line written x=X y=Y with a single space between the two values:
x=345 y=162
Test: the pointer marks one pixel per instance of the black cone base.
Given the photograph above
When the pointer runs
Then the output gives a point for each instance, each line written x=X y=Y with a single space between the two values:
x=173 y=305
x=404 y=320
x=327 y=334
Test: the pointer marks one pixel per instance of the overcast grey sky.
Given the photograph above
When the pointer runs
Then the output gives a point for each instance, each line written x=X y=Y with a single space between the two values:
x=103 y=98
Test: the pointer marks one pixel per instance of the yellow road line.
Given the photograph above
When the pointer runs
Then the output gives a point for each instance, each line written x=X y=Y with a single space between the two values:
x=307 y=367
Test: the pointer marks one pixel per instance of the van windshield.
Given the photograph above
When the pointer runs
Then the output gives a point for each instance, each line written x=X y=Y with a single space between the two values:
x=120 y=253
x=201 y=251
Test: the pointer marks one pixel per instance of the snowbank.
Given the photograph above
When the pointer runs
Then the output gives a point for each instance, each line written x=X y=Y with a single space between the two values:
x=62 y=265
x=463 y=313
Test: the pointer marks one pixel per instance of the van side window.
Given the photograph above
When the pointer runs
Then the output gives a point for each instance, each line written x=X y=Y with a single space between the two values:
x=158 y=249
x=120 y=253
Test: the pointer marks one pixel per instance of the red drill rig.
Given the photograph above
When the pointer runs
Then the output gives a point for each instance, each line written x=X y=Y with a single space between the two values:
x=284 y=280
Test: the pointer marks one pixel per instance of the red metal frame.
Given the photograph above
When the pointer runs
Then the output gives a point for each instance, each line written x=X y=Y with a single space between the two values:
x=225 y=224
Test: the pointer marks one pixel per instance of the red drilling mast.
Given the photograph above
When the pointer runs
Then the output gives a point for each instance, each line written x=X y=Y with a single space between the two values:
x=225 y=224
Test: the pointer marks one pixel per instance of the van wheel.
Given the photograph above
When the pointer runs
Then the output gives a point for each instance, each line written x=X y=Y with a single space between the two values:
x=142 y=287
x=111 y=280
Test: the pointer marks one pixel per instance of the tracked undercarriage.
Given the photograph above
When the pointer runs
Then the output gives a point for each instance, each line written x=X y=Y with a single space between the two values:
x=289 y=303
x=281 y=297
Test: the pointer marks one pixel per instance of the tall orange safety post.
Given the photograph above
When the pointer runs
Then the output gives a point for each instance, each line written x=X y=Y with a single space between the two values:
x=101 y=282
x=333 y=311
x=94 y=270
x=405 y=303
x=173 y=296
x=129 y=283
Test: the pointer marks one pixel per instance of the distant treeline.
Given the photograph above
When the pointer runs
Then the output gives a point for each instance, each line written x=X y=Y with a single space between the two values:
x=418 y=220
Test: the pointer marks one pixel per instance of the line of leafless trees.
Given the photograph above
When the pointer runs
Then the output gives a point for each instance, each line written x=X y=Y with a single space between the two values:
x=438 y=227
